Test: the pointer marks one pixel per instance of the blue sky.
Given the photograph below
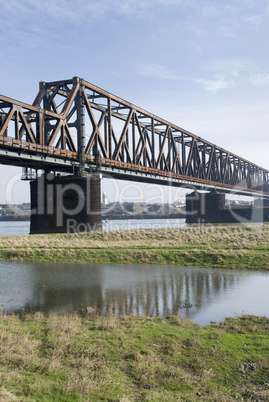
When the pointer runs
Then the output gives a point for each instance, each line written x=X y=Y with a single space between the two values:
x=202 y=65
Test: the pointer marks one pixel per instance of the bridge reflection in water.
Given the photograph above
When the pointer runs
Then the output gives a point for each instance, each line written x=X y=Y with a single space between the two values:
x=137 y=290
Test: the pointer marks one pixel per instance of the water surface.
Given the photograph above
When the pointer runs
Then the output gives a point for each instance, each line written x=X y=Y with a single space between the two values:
x=200 y=294
x=8 y=228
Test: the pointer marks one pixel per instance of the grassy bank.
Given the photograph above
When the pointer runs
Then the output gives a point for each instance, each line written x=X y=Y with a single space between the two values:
x=240 y=247
x=72 y=358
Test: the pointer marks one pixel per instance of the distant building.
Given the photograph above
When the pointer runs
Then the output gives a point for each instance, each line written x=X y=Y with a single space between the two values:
x=25 y=206
x=105 y=201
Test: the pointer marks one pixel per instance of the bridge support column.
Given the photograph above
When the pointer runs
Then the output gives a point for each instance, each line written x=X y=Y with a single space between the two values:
x=65 y=204
x=204 y=207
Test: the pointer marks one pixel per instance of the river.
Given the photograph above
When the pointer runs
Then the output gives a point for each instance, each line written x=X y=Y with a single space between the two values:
x=202 y=295
x=8 y=228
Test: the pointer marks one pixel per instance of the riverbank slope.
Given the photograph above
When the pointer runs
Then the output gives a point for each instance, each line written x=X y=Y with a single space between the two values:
x=72 y=358
x=231 y=246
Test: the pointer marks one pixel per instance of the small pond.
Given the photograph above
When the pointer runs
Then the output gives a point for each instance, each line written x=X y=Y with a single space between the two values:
x=200 y=294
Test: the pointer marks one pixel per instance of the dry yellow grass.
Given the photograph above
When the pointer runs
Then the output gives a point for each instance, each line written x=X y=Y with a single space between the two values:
x=216 y=246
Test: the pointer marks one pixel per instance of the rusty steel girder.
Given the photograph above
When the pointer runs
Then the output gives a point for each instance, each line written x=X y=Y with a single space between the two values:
x=73 y=121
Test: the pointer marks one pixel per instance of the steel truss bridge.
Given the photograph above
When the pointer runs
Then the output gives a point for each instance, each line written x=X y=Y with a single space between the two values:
x=74 y=126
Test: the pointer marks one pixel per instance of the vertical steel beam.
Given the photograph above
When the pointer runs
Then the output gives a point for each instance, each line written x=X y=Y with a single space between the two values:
x=153 y=160
x=183 y=155
x=40 y=128
x=133 y=137
x=106 y=132
x=109 y=127
x=169 y=149
x=80 y=125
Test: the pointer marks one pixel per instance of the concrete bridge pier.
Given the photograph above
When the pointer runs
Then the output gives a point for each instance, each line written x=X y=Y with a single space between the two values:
x=65 y=204
x=204 y=207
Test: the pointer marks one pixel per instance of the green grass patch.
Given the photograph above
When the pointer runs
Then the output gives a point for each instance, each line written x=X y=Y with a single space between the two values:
x=73 y=358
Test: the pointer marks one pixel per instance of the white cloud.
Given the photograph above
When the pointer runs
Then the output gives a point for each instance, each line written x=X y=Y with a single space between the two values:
x=226 y=31
x=210 y=10
x=156 y=71
x=231 y=73
x=233 y=67
x=259 y=80
x=218 y=82
x=134 y=7
x=221 y=75
x=255 y=19
x=82 y=10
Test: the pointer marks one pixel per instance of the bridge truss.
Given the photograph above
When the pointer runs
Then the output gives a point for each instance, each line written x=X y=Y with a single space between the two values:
x=76 y=126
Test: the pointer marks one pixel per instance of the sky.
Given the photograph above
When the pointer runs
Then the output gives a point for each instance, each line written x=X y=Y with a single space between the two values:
x=202 y=65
